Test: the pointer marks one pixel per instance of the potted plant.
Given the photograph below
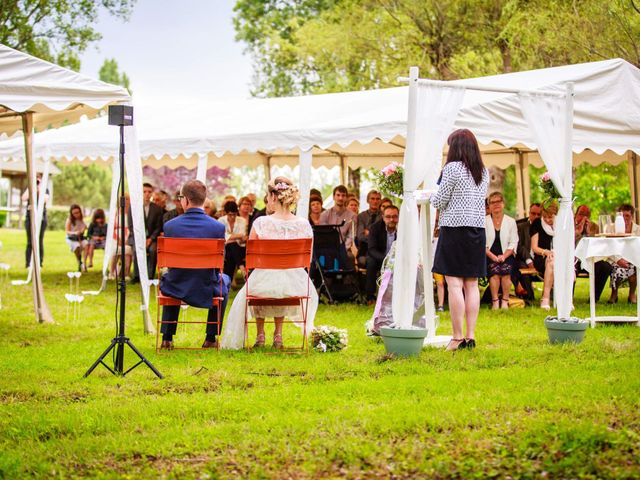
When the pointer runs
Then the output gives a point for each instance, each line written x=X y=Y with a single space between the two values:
x=560 y=330
x=565 y=330
x=400 y=338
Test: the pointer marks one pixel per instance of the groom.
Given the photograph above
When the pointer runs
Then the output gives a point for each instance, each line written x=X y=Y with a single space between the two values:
x=194 y=287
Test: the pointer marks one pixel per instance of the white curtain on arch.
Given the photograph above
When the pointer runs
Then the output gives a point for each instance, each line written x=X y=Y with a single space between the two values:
x=306 y=158
x=436 y=108
x=549 y=120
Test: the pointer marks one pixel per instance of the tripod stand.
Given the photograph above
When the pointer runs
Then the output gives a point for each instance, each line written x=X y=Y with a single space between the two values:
x=120 y=340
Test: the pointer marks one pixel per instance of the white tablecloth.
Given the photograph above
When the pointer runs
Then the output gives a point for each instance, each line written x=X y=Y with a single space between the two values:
x=593 y=249
x=600 y=248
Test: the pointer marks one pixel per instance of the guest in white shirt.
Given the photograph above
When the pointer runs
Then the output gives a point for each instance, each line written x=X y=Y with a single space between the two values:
x=502 y=242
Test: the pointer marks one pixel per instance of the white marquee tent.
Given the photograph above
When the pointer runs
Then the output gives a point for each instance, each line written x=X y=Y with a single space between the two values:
x=35 y=94
x=366 y=128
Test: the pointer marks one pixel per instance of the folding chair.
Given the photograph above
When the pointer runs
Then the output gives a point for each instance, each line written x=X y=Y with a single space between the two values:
x=188 y=253
x=278 y=255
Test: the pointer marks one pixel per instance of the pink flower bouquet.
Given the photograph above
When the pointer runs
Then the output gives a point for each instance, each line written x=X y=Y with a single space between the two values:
x=548 y=187
x=390 y=179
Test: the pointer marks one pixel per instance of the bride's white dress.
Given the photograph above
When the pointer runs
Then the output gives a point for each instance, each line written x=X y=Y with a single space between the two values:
x=272 y=283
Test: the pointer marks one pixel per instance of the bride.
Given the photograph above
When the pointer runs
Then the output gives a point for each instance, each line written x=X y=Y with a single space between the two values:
x=280 y=225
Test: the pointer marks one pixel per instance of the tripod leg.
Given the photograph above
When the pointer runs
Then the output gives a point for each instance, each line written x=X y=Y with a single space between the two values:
x=143 y=358
x=100 y=358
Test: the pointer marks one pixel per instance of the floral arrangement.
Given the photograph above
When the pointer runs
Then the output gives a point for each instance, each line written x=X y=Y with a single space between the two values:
x=548 y=188
x=326 y=338
x=390 y=179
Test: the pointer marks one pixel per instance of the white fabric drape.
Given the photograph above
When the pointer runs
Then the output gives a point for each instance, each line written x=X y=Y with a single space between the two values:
x=201 y=172
x=549 y=119
x=110 y=246
x=133 y=169
x=302 y=209
x=430 y=121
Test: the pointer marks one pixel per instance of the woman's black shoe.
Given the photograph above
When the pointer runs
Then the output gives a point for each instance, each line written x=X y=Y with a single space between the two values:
x=469 y=343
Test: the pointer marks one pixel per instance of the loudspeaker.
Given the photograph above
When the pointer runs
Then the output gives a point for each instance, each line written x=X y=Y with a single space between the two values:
x=121 y=115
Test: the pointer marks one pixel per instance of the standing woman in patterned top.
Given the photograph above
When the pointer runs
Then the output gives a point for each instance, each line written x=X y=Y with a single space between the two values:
x=460 y=254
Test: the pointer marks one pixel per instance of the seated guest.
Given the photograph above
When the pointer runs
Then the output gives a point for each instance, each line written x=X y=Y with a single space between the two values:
x=382 y=234
x=171 y=214
x=195 y=287
x=315 y=210
x=253 y=198
x=117 y=259
x=584 y=227
x=235 y=234
x=74 y=228
x=384 y=203
x=338 y=214
x=542 y=232
x=245 y=209
x=153 y=227
x=524 y=255
x=502 y=240
x=354 y=205
x=210 y=208
x=314 y=192
x=227 y=198
x=97 y=235
x=621 y=269
x=365 y=220
x=160 y=198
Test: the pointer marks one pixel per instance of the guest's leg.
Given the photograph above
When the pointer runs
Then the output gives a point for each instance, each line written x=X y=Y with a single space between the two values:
x=277 y=333
x=43 y=227
x=494 y=287
x=440 y=290
x=548 y=283
x=152 y=256
x=633 y=283
x=602 y=273
x=472 y=305
x=456 y=305
x=29 y=250
x=505 y=282
x=212 y=328
x=127 y=264
x=169 y=314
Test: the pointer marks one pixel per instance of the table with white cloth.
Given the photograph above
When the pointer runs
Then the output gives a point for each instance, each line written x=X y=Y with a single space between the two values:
x=593 y=249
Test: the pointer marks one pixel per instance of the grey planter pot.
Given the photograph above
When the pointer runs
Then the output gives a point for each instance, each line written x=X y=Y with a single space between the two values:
x=403 y=342
x=563 y=331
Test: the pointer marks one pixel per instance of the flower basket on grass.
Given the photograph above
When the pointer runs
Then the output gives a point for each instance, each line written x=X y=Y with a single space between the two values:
x=326 y=338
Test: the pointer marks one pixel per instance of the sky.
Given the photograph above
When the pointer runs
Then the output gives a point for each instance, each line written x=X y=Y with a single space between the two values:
x=184 y=49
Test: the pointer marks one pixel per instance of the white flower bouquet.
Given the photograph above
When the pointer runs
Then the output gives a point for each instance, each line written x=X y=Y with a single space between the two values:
x=326 y=338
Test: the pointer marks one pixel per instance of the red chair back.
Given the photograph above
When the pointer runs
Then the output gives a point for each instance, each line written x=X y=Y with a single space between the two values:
x=190 y=252
x=278 y=254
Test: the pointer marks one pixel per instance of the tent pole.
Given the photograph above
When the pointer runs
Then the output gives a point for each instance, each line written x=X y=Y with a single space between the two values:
x=520 y=201
x=267 y=167
x=635 y=183
x=43 y=314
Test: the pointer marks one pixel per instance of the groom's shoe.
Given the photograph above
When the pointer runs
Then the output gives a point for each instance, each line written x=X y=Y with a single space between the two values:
x=209 y=344
x=166 y=345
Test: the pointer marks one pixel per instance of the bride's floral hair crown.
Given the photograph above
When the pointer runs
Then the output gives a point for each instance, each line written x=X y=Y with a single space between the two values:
x=284 y=189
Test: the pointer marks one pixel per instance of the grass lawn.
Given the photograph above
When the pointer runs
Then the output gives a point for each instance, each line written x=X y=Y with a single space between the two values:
x=516 y=406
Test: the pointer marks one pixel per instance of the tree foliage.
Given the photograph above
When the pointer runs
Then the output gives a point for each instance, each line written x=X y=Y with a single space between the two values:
x=56 y=30
x=110 y=73
x=314 y=46
x=89 y=186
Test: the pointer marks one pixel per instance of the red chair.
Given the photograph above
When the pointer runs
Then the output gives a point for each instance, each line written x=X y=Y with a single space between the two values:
x=278 y=255
x=190 y=253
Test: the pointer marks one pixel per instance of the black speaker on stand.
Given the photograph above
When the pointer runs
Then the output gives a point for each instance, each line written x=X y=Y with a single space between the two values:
x=121 y=116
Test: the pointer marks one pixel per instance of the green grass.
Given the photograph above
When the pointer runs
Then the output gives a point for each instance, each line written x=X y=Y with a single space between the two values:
x=516 y=406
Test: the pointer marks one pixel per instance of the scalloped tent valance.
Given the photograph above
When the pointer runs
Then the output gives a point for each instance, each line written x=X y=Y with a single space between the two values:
x=362 y=128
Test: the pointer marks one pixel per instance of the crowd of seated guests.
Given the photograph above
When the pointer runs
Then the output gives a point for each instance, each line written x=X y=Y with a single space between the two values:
x=516 y=252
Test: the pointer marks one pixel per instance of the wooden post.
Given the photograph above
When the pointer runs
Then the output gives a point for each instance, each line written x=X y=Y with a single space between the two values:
x=634 y=180
x=43 y=314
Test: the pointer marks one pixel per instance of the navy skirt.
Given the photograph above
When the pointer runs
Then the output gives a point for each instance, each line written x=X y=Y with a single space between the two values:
x=461 y=252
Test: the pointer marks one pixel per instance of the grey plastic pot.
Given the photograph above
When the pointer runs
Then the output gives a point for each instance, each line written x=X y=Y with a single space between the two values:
x=403 y=342
x=562 y=331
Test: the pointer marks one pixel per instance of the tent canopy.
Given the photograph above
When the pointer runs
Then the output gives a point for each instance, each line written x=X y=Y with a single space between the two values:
x=56 y=95
x=361 y=128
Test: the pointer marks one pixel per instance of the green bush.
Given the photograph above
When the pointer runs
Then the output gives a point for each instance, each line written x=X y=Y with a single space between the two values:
x=3 y=218
x=56 y=217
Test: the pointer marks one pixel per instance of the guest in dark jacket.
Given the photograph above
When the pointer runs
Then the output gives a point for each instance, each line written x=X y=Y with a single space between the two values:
x=153 y=227
x=194 y=287
x=382 y=234
x=97 y=236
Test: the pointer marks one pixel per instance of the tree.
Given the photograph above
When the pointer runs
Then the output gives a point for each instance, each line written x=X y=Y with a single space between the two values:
x=89 y=186
x=56 y=30
x=110 y=73
x=315 y=46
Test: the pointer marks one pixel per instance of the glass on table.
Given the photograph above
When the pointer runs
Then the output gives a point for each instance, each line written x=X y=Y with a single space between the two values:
x=605 y=223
